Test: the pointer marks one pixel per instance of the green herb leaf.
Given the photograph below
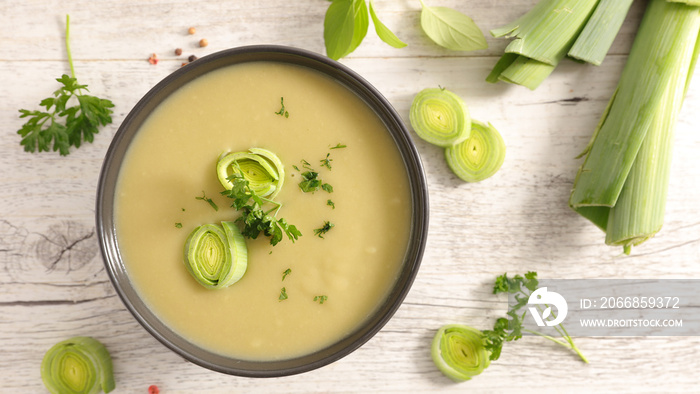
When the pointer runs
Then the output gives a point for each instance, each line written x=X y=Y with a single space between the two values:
x=382 y=31
x=208 y=200
x=283 y=294
x=327 y=161
x=451 y=29
x=320 y=299
x=253 y=218
x=311 y=183
x=511 y=328
x=361 y=24
x=339 y=146
x=286 y=272
x=327 y=226
x=327 y=187
x=178 y=225
x=63 y=127
x=339 y=28
x=282 y=111
x=331 y=204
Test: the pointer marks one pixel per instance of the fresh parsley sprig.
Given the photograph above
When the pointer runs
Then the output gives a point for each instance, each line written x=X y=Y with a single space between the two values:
x=61 y=126
x=511 y=328
x=254 y=218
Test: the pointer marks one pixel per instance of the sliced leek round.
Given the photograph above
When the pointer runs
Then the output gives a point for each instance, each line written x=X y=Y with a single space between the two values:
x=480 y=156
x=440 y=117
x=77 y=365
x=458 y=351
x=261 y=168
x=216 y=255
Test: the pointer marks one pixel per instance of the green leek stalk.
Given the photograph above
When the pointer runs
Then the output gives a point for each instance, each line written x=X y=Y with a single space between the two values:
x=553 y=29
x=458 y=351
x=597 y=36
x=216 y=255
x=543 y=37
x=621 y=186
x=80 y=365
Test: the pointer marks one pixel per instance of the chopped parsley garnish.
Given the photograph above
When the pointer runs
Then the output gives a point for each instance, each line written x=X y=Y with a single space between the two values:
x=282 y=111
x=339 y=146
x=208 y=200
x=283 y=294
x=178 y=225
x=327 y=226
x=330 y=203
x=320 y=299
x=255 y=220
x=286 y=272
x=327 y=161
x=312 y=183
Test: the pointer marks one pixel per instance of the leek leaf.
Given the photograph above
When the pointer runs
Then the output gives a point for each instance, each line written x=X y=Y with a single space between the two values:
x=599 y=33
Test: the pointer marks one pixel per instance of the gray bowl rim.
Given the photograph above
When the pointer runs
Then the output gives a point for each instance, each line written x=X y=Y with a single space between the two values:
x=106 y=232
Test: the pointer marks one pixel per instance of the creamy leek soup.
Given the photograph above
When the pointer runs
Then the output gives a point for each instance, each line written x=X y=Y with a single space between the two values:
x=171 y=162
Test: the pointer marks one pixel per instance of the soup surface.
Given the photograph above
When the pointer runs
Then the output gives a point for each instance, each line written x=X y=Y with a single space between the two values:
x=172 y=161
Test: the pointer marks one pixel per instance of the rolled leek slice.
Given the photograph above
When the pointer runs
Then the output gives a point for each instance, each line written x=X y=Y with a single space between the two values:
x=458 y=351
x=77 y=365
x=216 y=255
x=261 y=168
x=440 y=117
x=480 y=156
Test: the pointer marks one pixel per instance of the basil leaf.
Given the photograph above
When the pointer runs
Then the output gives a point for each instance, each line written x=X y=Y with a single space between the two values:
x=344 y=27
x=382 y=31
x=451 y=29
x=361 y=24
x=338 y=28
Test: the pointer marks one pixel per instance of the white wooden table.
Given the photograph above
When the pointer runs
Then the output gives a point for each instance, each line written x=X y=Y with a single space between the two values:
x=53 y=284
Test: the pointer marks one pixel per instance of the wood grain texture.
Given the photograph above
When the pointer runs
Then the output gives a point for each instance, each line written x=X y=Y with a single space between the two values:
x=53 y=284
